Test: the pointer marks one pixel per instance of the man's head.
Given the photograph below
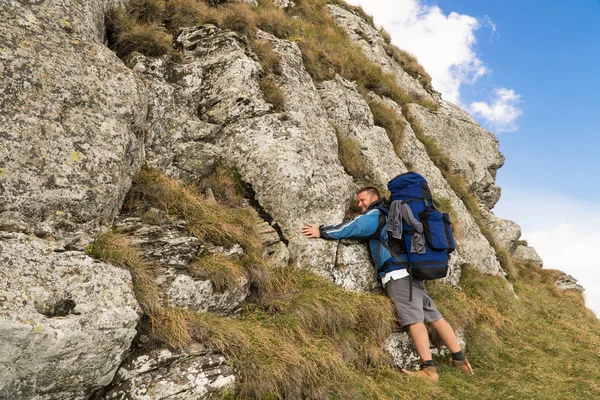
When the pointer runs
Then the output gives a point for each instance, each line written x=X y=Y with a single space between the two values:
x=366 y=196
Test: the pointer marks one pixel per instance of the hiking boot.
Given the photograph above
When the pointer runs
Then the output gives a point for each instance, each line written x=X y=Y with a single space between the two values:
x=464 y=366
x=426 y=372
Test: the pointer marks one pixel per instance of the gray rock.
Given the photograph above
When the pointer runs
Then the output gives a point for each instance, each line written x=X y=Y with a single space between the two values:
x=212 y=107
x=71 y=118
x=403 y=354
x=199 y=295
x=371 y=43
x=168 y=243
x=568 y=283
x=353 y=267
x=291 y=162
x=66 y=320
x=164 y=374
x=350 y=114
x=507 y=232
x=473 y=150
x=170 y=246
x=529 y=255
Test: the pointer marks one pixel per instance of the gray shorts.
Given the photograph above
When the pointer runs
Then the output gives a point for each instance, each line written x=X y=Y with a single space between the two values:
x=421 y=309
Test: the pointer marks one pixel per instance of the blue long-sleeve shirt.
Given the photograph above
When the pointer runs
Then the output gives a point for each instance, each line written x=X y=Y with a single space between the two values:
x=365 y=227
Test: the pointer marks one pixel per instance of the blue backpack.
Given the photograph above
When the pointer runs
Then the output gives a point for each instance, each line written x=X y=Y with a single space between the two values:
x=417 y=231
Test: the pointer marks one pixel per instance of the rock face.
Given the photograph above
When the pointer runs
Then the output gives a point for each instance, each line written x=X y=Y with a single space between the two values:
x=371 y=43
x=65 y=320
x=212 y=107
x=473 y=150
x=350 y=114
x=71 y=119
x=163 y=374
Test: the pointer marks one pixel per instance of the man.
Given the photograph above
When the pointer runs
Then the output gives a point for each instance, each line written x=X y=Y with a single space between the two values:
x=412 y=314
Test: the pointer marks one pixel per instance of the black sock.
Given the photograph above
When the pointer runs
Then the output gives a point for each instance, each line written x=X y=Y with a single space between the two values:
x=458 y=356
x=429 y=363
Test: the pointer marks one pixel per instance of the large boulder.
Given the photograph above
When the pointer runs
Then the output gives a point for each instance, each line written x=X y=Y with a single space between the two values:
x=507 y=232
x=528 y=254
x=71 y=120
x=66 y=320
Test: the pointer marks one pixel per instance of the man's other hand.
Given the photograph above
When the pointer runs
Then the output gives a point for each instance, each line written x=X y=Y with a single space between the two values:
x=311 y=231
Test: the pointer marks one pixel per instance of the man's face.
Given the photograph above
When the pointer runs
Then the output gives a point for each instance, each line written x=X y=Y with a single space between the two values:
x=365 y=199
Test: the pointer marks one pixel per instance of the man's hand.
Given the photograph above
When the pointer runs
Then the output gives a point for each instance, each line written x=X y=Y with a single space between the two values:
x=311 y=231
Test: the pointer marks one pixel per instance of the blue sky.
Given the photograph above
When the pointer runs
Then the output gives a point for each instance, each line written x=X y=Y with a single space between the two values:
x=530 y=72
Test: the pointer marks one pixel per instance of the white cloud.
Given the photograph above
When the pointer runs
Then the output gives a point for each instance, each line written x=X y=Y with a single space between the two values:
x=443 y=43
x=501 y=112
x=565 y=232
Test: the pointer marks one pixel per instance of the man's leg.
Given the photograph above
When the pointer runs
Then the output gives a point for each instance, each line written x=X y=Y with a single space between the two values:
x=445 y=332
x=420 y=338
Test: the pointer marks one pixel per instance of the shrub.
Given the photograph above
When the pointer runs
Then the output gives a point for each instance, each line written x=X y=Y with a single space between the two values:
x=146 y=11
x=182 y=13
x=147 y=39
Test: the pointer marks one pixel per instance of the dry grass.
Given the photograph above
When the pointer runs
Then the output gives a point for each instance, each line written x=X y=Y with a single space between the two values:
x=146 y=11
x=351 y=157
x=226 y=184
x=269 y=59
x=182 y=13
x=273 y=93
x=409 y=63
x=224 y=272
x=387 y=118
x=211 y=223
x=166 y=323
x=306 y=338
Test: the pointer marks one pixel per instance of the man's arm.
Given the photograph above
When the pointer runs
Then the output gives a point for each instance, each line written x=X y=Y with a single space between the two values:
x=360 y=227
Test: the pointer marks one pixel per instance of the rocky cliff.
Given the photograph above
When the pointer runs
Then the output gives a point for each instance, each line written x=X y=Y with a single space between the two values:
x=250 y=94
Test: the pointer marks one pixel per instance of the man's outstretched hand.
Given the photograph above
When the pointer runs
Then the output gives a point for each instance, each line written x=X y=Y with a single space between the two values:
x=311 y=231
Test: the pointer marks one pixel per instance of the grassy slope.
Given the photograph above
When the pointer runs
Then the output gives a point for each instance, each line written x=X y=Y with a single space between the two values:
x=302 y=336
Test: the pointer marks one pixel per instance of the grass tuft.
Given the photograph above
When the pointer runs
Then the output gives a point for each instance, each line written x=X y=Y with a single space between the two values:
x=387 y=118
x=226 y=184
x=211 y=223
x=273 y=93
x=409 y=63
x=351 y=157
